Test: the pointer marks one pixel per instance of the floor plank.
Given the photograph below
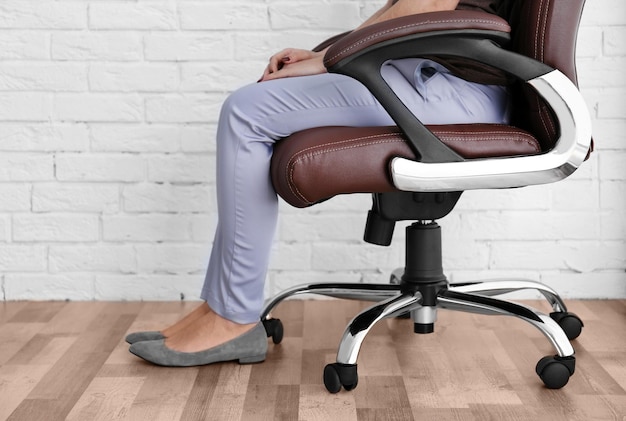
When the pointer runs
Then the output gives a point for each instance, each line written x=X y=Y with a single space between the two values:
x=68 y=361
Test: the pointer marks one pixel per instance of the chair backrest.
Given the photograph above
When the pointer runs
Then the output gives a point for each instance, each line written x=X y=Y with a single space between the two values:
x=545 y=30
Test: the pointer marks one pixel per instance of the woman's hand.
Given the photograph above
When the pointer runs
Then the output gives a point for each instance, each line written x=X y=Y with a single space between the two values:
x=293 y=62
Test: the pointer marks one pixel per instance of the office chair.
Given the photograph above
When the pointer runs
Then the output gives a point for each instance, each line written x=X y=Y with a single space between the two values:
x=417 y=172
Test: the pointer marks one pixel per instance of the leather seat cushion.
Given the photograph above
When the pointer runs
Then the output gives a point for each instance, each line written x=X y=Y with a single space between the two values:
x=316 y=164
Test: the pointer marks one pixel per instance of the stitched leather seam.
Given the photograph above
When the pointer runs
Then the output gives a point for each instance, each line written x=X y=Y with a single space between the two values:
x=414 y=25
x=457 y=139
x=527 y=141
x=490 y=136
x=544 y=118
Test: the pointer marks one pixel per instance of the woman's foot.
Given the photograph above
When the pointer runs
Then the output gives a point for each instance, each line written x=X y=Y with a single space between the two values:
x=206 y=340
x=205 y=332
x=196 y=313
x=171 y=330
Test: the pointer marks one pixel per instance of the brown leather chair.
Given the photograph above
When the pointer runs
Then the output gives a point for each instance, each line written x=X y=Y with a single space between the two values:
x=418 y=172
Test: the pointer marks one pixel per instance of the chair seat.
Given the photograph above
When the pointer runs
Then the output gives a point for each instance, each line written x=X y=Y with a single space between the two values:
x=316 y=164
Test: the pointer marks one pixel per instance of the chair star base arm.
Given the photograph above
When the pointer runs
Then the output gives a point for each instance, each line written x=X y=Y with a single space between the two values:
x=504 y=286
x=460 y=301
x=352 y=291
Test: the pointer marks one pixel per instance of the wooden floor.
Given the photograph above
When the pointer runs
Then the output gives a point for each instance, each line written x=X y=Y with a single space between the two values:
x=63 y=360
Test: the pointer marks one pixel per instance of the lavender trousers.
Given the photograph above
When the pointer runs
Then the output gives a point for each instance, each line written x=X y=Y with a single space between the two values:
x=257 y=115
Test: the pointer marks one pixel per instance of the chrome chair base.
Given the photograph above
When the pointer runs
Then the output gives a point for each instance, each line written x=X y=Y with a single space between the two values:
x=394 y=299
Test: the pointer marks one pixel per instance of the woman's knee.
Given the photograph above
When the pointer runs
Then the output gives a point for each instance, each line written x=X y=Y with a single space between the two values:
x=244 y=102
x=243 y=118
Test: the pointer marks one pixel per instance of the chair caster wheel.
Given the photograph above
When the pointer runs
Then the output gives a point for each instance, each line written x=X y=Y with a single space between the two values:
x=555 y=371
x=337 y=375
x=569 y=322
x=274 y=328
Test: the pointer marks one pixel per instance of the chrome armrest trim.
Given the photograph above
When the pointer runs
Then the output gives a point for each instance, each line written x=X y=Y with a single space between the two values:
x=567 y=155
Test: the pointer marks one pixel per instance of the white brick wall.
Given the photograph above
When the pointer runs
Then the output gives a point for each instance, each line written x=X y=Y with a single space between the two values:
x=107 y=122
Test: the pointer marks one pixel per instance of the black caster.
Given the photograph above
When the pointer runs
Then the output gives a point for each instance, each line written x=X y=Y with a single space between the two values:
x=569 y=322
x=555 y=371
x=274 y=328
x=337 y=375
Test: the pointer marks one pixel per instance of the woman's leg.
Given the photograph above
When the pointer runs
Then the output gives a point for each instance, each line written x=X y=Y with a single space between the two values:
x=252 y=119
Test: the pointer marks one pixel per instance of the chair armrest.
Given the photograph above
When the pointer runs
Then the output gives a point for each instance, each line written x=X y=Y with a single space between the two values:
x=474 y=36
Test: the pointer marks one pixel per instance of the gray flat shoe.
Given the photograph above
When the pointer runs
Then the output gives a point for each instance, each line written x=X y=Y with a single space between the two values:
x=150 y=335
x=251 y=347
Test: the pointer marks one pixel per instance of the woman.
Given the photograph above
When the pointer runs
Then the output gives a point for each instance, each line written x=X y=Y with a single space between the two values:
x=294 y=93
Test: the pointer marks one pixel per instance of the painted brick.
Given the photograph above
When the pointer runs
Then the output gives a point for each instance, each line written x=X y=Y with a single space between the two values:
x=135 y=138
x=154 y=15
x=198 y=138
x=344 y=256
x=139 y=228
x=611 y=12
x=223 y=16
x=172 y=258
x=189 y=108
x=259 y=47
x=25 y=106
x=5 y=228
x=106 y=45
x=613 y=44
x=216 y=77
x=148 y=197
x=117 y=258
x=608 y=135
x=579 y=256
x=34 y=76
x=76 y=197
x=321 y=227
x=22 y=258
x=133 y=77
x=31 y=14
x=26 y=167
x=336 y=15
x=55 y=228
x=612 y=225
x=75 y=287
x=15 y=197
x=100 y=167
x=203 y=228
x=99 y=107
x=612 y=166
x=576 y=195
x=175 y=47
x=48 y=137
x=612 y=104
x=24 y=45
x=181 y=168
x=613 y=196
x=133 y=287
x=291 y=256
x=574 y=285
